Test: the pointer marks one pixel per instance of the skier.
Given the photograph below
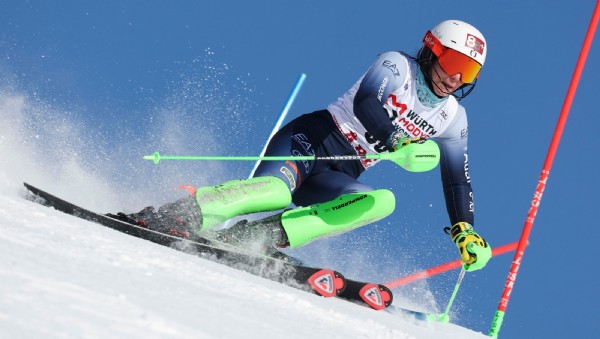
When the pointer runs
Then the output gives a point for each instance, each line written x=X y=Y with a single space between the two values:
x=399 y=102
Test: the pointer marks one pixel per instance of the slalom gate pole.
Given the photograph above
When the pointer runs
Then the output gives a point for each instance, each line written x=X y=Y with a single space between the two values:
x=541 y=184
x=444 y=268
x=282 y=116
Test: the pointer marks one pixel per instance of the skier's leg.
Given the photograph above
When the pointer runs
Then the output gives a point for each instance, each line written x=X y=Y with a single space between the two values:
x=337 y=203
x=299 y=226
x=222 y=202
x=325 y=185
x=328 y=188
x=269 y=190
x=289 y=141
x=349 y=211
x=178 y=218
x=211 y=206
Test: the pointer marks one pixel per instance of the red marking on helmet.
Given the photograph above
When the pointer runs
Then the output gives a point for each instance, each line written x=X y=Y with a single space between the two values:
x=475 y=43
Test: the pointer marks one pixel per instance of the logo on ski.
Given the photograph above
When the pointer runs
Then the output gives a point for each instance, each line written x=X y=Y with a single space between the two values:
x=377 y=297
x=327 y=283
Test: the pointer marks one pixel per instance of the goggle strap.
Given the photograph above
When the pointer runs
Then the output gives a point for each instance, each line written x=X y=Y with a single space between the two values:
x=434 y=44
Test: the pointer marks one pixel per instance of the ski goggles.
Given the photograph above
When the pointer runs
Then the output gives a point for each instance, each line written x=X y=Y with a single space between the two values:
x=452 y=61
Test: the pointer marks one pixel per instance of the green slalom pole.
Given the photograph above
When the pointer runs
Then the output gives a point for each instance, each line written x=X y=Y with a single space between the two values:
x=414 y=157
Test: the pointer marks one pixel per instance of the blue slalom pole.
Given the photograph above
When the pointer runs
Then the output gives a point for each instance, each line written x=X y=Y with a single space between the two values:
x=282 y=116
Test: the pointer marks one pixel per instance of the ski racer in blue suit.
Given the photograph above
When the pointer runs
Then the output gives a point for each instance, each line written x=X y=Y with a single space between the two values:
x=399 y=102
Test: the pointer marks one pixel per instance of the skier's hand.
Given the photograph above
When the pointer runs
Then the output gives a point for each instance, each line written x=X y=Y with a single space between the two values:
x=412 y=154
x=398 y=140
x=474 y=251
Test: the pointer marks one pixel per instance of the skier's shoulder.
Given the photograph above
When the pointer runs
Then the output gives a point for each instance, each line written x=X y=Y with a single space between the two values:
x=397 y=66
x=395 y=60
x=397 y=56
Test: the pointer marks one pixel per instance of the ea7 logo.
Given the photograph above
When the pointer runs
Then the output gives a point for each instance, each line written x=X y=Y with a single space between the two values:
x=392 y=67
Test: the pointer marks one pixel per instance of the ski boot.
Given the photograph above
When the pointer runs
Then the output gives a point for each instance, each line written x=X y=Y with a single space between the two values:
x=180 y=218
x=209 y=207
x=263 y=233
x=265 y=236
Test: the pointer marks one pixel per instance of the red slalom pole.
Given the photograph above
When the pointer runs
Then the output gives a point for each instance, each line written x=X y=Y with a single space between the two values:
x=541 y=185
x=444 y=268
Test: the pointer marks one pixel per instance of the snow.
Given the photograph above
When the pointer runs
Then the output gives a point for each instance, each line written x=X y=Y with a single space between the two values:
x=63 y=277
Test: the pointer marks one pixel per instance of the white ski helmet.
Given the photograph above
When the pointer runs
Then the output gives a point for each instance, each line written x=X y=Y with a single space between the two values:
x=459 y=48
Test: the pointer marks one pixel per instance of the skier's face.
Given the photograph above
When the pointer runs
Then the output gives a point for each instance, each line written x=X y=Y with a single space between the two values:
x=443 y=83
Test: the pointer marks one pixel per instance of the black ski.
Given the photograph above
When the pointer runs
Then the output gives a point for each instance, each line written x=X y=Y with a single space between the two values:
x=325 y=282
x=376 y=296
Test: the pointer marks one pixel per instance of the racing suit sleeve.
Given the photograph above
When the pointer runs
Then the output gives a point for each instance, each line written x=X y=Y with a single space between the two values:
x=454 y=169
x=383 y=77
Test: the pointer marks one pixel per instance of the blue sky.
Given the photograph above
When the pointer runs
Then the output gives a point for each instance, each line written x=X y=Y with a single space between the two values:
x=225 y=68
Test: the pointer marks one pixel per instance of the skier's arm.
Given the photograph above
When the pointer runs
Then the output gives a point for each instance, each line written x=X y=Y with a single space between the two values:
x=474 y=251
x=385 y=75
x=454 y=169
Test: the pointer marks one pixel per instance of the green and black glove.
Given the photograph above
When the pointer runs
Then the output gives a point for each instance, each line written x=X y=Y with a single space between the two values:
x=474 y=251
x=398 y=140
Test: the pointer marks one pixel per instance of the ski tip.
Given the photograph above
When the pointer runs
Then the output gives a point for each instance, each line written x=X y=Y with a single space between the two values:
x=327 y=283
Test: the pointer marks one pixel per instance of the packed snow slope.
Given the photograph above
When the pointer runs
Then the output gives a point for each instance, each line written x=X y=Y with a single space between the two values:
x=61 y=277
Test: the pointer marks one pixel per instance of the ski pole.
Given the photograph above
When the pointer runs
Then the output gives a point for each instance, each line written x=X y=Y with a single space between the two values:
x=419 y=156
x=156 y=157
x=444 y=317
x=541 y=185
x=284 y=112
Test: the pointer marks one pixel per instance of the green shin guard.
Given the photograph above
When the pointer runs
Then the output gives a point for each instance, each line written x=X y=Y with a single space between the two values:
x=349 y=211
x=222 y=202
